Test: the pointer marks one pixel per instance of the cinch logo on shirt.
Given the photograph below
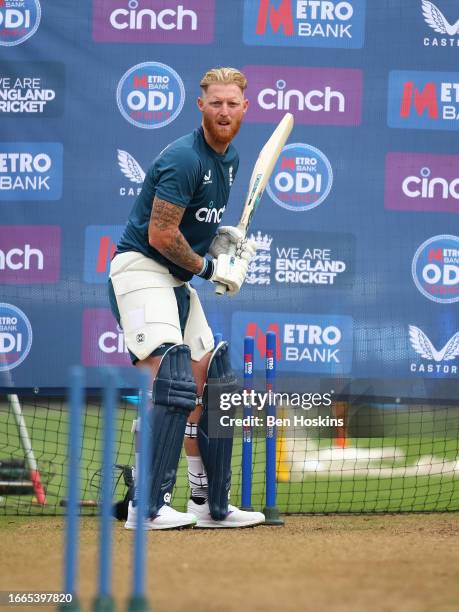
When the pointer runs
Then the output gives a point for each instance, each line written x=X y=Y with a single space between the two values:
x=423 y=100
x=210 y=214
x=305 y=23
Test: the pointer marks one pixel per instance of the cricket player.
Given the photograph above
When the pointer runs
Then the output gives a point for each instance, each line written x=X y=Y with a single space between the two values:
x=173 y=233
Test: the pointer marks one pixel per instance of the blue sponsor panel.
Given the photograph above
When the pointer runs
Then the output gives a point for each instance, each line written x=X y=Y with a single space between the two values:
x=435 y=269
x=297 y=23
x=19 y=20
x=15 y=337
x=150 y=95
x=302 y=178
x=423 y=100
x=100 y=244
x=31 y=170
x=306 y=343
x=32 y=89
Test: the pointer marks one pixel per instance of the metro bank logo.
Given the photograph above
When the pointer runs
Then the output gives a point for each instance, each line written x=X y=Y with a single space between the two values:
x=306 y=343
x=423 y=100
x=99 y=247
x=305 y=23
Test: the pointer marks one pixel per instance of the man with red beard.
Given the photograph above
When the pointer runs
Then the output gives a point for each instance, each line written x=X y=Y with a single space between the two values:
x=173 y=225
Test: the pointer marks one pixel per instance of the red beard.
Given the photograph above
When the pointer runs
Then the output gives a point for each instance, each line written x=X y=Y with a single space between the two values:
x=220 y=134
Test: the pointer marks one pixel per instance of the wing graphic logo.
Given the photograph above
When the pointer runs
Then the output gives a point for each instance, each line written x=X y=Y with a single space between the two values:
x=424 y=347
x=130 y=167
x=437 y=21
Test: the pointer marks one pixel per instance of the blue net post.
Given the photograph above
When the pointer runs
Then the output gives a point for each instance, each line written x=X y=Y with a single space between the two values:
x=73 y=483
x=104 y=600
x=247 y=445
x=270 y=511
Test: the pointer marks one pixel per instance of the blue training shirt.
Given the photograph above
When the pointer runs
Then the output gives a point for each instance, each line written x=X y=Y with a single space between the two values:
x=190 y=174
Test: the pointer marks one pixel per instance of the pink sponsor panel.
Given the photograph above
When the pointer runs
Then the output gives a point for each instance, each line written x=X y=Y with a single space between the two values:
x=422 y=182
x=102 y=339
x=316 y=96
x=154 y=21
x=29 y=254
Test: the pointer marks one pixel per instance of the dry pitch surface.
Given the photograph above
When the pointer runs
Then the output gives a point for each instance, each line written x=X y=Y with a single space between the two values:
x=406 y=563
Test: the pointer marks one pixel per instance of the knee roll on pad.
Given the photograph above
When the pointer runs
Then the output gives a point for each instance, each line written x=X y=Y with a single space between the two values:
x=216 y=452
x=174 y=397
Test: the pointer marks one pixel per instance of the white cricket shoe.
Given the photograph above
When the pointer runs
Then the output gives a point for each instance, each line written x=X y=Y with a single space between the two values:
x=167 y=518
x=235 y=517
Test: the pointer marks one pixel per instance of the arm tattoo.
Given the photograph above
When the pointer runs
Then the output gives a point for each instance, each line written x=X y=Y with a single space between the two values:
x=165 y=219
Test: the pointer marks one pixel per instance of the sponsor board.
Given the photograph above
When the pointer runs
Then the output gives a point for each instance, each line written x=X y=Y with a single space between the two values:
x=102 y=339
x=15 y=337
x=443 y=32
x=31 y=170
x=431 y=360
x=150 y=95
x=154 y=21
x=422 y=182
x=305 y=23
x=316 y=96
x=298 y=259
x=306 y=343
x=99 y=247
x=435 y=269
x=29 y=254
x=302 y=178
x=423 y=100
x=19 y=20
x=32 y=89
x=133 y=173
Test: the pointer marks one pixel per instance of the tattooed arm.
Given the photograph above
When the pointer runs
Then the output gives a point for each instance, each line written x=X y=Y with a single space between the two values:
x=165 y=236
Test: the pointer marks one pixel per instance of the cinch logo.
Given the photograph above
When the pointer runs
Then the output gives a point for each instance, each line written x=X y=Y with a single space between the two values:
x=210 y=214
x=30 y=170
x=29 y=254
x=306 y=343
x=100 y=244
x=422 y=182
x=32 y=88
x=435 y=269
x=302 y=178
x=15 y=337
x=154 y=21
x=305 y=23
x=133 y=171
x=435 y=19
x=150 y=95
x=424 y=347
x=320 y=96
x=19 y=20
x=423 y=100
x=102 y=339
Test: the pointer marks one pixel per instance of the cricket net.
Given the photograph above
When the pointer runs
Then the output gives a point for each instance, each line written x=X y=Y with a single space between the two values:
x=388 y=458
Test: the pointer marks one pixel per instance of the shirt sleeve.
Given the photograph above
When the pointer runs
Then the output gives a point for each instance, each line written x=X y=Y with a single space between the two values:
x=176 y=175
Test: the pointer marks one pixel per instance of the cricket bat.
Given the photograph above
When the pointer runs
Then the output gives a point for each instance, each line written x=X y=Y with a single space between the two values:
x=262 y=170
